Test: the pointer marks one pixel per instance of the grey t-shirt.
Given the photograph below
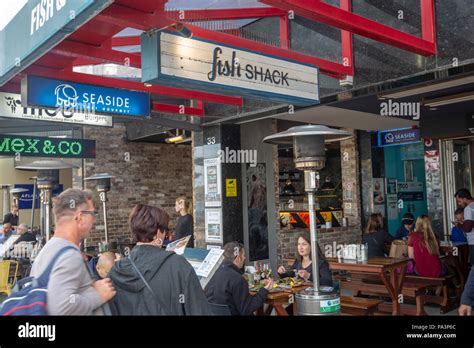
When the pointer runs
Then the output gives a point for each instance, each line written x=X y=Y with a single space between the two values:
x=469 y=215
x=70 y=290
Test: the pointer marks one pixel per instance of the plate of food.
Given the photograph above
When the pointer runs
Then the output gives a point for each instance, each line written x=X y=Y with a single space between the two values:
x=289 y=282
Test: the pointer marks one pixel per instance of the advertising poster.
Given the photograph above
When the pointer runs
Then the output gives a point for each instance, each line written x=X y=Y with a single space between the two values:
x=212 y=182
x=213 y=222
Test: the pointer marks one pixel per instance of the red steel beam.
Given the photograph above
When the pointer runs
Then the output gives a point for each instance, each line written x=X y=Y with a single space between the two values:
x=132 y=85
x=177 y=109
x=346 y=40
x=11 y=87
x=98 y=53
x=125 y=41
x=225 y=14
x=127 y=17
x=320 y=11
x=284 y=32
x=428 y=24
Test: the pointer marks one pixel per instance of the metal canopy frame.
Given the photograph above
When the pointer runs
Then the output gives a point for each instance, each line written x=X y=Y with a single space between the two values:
x=94 y=43
x=343 y=18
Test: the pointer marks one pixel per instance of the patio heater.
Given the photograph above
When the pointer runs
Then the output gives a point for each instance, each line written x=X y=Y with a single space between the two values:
x=16 y=193
x=309 y=156
x=47 y=180
x=6 y=198
x=103 y=186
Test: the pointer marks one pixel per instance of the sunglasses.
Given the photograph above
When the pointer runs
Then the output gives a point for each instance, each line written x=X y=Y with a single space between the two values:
x=94 y=213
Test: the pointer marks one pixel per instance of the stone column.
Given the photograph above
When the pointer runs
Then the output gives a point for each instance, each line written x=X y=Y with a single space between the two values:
x=351 y=181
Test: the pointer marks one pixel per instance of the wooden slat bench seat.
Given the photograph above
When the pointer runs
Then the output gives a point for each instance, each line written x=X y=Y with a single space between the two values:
x=432 y=283
x=410 y=290
x=359 y=306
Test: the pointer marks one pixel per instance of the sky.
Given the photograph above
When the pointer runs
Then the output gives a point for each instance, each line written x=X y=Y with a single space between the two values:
x=8 y=9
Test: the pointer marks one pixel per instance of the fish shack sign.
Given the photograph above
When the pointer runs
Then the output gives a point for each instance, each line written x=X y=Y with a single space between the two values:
x=206 y=65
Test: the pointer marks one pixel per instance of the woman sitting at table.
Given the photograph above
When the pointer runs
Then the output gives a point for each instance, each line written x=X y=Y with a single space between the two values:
x=423 y=247
x=303 y=263
x=375 y=236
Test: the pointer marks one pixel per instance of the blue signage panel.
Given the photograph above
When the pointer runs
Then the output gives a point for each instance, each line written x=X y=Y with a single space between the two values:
x=39 y=26
x=399 y=137
x=45 y=92
x=26 y=199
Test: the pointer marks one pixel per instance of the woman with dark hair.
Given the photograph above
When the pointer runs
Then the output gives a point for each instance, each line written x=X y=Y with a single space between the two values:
x=303 y=263
x=151 y=280
x=375 y=236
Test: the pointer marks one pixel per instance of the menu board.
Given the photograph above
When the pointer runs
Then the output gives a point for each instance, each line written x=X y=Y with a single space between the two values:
x=213 y=223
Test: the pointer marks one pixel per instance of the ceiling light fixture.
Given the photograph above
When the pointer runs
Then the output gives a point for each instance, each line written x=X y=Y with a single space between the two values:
x=178 y=138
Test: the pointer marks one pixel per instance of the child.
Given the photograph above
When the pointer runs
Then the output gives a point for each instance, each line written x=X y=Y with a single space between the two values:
x=458 y=237
x=105 y=263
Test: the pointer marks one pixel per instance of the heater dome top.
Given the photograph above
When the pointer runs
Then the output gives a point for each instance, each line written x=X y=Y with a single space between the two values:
x=18 y=190
x=47 y=165
x=100 y=176
x=329 y=134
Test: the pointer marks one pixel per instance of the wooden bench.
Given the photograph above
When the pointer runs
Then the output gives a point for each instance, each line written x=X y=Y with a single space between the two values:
x=376 y=287
x=430 y=283
x=433 y=283
x=358 y=305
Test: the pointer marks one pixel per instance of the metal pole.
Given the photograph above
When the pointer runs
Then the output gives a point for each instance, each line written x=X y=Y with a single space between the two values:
x=103 y=198
x=310 y=188
x=16 y=203
x=46 y=200
x=33 y=204
x=6 y=199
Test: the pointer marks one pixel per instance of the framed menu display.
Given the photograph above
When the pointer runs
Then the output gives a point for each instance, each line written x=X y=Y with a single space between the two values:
x=212 y=182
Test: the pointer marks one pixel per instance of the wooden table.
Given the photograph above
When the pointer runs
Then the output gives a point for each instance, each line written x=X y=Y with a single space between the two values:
x=278 y=298
x=384 y=267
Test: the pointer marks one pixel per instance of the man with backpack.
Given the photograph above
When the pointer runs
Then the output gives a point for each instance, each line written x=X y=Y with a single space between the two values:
x=70 y=289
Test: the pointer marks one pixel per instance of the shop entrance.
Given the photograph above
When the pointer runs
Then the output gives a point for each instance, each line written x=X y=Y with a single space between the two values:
x=457 y=158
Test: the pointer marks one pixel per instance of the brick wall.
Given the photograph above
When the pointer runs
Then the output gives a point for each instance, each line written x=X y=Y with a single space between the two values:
x=154 y=174
x=351 y=181
x=288 y=240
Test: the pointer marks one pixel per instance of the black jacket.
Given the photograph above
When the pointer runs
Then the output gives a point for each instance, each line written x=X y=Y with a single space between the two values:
x=325 y=275
x=26 y=237
x=376 y=242
x=173 y=280
x=228 y=287
x=184 y=228
x=10 y=218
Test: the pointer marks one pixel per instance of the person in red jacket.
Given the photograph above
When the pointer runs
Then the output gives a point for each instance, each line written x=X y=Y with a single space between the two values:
x=423 y=247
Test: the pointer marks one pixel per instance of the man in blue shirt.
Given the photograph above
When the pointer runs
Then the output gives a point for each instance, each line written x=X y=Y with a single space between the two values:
x=6 y=232
x=458 y=237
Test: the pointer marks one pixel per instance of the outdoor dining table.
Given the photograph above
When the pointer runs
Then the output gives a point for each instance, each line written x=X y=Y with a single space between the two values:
x=278 y=299
x=391 y=271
